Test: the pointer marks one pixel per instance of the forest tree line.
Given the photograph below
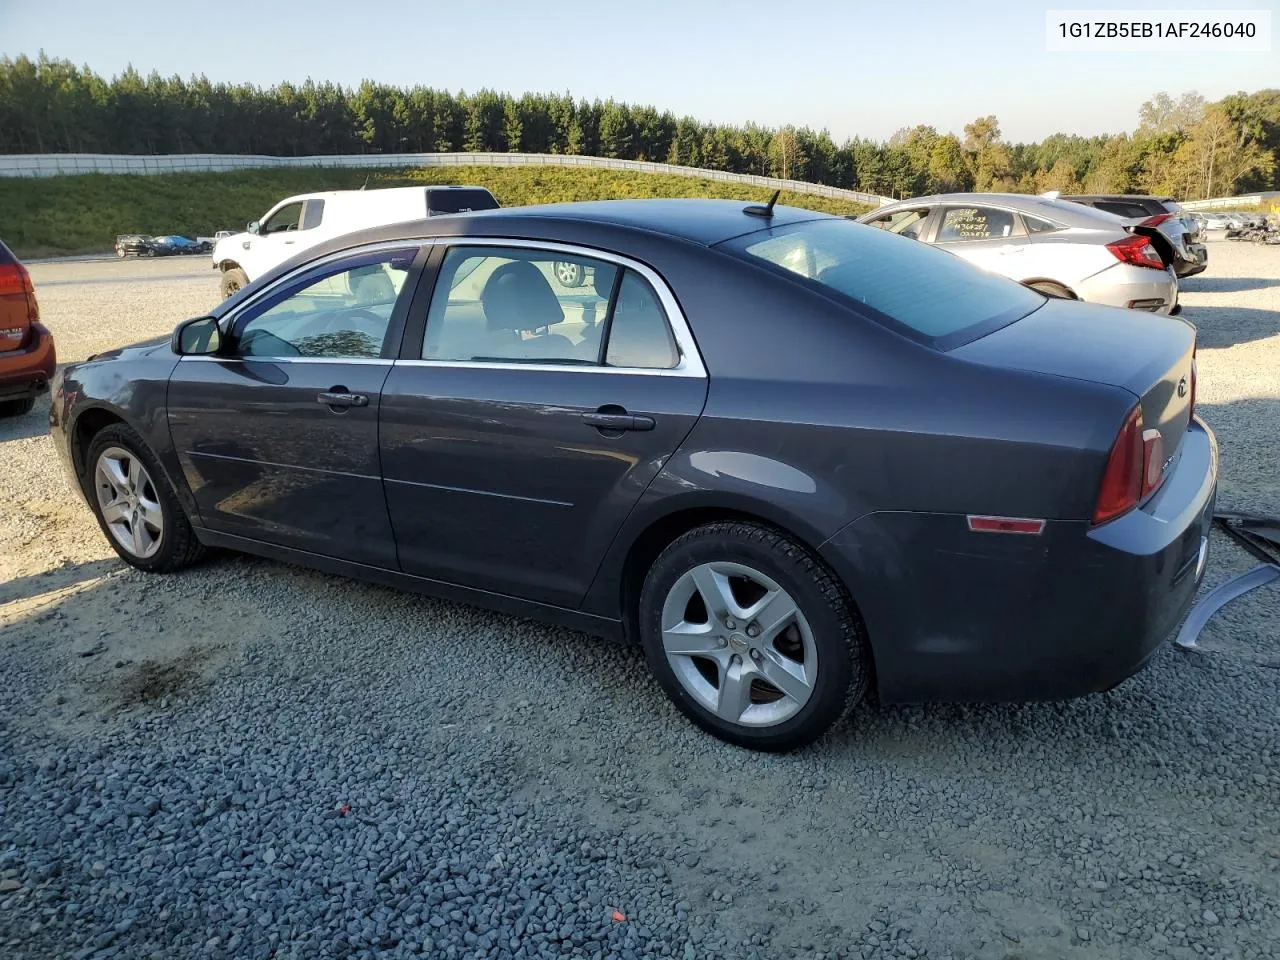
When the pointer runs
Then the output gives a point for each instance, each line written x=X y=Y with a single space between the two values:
x=1185 y=147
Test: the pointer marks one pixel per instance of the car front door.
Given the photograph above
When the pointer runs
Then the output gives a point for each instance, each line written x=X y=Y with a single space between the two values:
x=278 y=433
x=526 y=417
x=275 y=240
x=988 y=237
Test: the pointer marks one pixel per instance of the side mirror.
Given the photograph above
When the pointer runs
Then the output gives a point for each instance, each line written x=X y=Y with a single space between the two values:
x=199 y=337
x=254 y=226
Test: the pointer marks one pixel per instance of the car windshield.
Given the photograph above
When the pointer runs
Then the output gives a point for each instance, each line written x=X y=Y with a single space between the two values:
x=926 y=293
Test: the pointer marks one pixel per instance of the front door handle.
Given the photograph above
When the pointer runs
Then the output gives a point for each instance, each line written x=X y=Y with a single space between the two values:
x=617 y=421
x=338 y=398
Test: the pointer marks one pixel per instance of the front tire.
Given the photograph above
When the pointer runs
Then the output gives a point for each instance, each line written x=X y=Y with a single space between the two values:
x=752 y=637
x=136 y=507
x=233 y=280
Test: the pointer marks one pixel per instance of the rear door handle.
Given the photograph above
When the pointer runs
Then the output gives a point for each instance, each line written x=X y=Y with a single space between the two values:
x=617 y=421
x=339 y=399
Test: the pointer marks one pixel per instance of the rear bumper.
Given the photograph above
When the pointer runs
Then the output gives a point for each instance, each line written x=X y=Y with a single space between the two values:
x=955 y=615
x=1124 y=284
x=27 y=372
x=1196 y=261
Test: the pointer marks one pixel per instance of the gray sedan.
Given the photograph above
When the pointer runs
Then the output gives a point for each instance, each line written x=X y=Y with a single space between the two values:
x=796 y=458
x=1060 y=248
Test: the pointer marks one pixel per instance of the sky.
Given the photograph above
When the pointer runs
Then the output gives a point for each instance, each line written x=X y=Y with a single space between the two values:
x=854 y=68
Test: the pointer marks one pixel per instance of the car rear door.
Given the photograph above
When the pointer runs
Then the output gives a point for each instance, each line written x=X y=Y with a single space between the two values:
x=524 y=418
x=989 y=237
x=278 y=434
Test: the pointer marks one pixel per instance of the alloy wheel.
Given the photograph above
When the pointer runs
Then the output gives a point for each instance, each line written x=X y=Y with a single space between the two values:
x=739 y=644
x=568 y=273
x=129 y=502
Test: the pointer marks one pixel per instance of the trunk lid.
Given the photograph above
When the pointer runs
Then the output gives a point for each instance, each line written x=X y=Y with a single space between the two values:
x=1149 y=355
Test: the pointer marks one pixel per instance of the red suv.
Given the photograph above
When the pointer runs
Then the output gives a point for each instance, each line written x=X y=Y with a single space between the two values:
x=26 y=347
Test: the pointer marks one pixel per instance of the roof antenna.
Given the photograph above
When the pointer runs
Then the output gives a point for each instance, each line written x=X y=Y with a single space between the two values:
x=365 y=184
x=755 y=210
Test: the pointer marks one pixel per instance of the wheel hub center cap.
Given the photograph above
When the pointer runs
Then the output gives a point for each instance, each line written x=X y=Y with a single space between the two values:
x=738 y=642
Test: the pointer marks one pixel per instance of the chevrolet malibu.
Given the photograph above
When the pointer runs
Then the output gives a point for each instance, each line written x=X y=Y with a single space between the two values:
x=796 y=457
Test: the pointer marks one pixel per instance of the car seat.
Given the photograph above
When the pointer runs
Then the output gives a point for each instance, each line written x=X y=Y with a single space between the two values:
x=517 y=299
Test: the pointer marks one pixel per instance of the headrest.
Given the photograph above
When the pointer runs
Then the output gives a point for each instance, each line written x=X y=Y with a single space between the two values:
x=518 y=297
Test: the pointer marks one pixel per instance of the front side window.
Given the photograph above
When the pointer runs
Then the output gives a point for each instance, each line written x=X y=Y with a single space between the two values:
x=514 y=305
x=925 y=293
x=905 y=223
x=975 y=223
x=286 y=218
x=341 y=314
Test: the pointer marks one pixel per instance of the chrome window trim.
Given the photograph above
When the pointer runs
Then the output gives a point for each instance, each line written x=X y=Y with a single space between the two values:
x=368 y=361
x=689 y=365
x=550 y=367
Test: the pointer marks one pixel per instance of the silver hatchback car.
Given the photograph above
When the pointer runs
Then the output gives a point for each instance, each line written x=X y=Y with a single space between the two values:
x=1060 y=248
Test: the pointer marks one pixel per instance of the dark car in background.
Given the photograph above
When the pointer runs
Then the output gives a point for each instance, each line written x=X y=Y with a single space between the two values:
x=795 y=456
x=1184 y=243
x=27 y=356
x=135 y=245
x=175 y=245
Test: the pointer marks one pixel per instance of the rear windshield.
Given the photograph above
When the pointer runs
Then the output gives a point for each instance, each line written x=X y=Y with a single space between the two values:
x=459 y=201
x=928 y=294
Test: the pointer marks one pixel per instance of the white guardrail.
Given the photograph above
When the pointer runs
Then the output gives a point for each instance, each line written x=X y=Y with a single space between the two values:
x=58 y=164
x=1223 y=203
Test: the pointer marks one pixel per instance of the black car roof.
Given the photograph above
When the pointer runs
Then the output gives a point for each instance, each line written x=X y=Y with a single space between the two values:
x=705 y=222
x=1120 y=196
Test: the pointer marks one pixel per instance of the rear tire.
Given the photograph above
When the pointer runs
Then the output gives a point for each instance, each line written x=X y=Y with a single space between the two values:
x=124 y=477
x=233 y=280
x=1050 y=289
x=17 y=408
x=776 y=613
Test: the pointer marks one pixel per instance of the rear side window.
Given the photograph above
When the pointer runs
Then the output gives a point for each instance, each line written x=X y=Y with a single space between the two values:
x=312 y=214
x=638 y=331
x=1036 y=225
x=925 y=293
x=459 y=201
x=975 y=223
x=505 y=305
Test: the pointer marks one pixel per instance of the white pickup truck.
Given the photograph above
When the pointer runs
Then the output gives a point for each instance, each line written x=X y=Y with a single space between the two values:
x=296 y=223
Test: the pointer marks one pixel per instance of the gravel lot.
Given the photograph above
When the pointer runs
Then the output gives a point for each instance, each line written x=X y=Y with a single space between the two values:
x=252 y=760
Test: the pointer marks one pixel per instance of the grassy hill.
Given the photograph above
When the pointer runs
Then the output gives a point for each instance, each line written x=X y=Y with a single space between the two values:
x=82 y=214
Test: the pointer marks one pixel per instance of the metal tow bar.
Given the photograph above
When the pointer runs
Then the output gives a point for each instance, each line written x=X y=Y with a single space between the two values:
x=1261 y=537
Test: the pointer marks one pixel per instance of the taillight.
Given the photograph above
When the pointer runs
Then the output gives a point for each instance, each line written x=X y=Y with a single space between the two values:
x=15 y=281
x=1155 y=221
x=1122 y=480
x=1138 y=251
